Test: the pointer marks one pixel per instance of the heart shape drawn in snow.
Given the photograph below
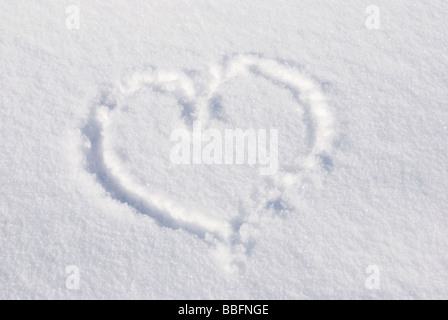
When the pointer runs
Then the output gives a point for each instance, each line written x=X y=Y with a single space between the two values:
x=216 y=226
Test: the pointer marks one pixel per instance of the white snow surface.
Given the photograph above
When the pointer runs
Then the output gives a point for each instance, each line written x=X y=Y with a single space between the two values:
x=86 y=178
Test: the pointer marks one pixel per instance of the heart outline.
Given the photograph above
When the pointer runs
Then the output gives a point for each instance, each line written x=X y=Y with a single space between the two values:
x=181 y=86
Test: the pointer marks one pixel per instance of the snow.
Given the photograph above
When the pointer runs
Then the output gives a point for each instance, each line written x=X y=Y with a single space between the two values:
x=86 y=178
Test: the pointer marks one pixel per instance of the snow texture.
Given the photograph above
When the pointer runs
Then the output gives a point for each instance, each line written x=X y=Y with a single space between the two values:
x=91 y=92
